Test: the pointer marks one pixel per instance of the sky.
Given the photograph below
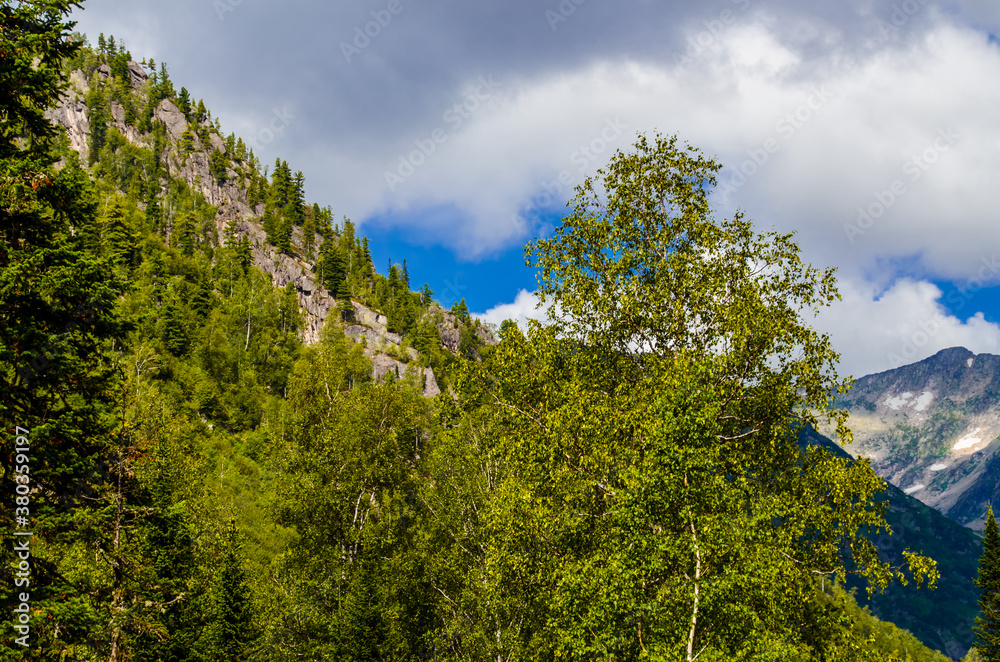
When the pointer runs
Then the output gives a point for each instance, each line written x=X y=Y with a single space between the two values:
x=453 y=132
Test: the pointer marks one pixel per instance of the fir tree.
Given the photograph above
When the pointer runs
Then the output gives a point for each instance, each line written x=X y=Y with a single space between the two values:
x=121 y=237
x=232 y=632
x=283 y=236
x=184 y=102
x=99 y=115
x=183 y=236
x=58 y=305
x=987 y=626
x=297 y=198
x=368 y=255
x=173 y=327
x=342 y=290
x=165 y=86
x=217 y=166
x=309 y=236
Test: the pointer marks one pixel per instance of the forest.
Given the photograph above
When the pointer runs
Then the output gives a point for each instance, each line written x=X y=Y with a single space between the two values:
x=623 y=482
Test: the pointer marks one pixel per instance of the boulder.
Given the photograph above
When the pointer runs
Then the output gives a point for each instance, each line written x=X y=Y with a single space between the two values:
x=137 y=74
x=172 y=117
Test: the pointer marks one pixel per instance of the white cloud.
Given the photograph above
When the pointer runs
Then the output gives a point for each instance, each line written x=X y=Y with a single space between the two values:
x=521 y=310
x=872 y=331
x=905 y=324
x=842 y=129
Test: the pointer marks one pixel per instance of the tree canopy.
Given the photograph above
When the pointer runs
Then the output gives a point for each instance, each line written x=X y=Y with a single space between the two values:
x=652 y=497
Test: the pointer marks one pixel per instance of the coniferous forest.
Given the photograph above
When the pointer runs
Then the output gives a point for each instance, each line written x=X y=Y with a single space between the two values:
x=190 y=472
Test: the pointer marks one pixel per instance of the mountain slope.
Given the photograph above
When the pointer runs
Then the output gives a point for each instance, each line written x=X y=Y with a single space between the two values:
x=132 y=126
x=930 y=428
x=941 y=618
x=226 y=416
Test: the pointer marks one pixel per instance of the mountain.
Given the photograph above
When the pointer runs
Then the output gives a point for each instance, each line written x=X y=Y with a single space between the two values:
x=941 y=618
x=931 y=430
x=134 y=116
x=234 y=453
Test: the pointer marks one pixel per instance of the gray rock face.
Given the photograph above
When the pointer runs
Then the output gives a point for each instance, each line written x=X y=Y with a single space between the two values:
x=137 y=74
x=932 y=429
x=73 y=116
x=230 y=198
x=422 y=378
x=172 y=117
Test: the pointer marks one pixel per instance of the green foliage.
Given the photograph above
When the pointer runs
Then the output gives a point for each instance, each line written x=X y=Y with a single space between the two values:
x=218 y=163
x=57 y=321
x=654 y=497
x=623 y=483
x=232 y=632
x=988 y=623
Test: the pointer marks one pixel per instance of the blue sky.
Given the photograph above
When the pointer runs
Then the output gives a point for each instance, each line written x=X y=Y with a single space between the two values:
x=483 y=282
x=452 y=132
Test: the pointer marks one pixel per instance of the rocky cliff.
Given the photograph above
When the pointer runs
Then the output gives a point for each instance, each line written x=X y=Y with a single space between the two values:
x=931 y=429
x=384 y=348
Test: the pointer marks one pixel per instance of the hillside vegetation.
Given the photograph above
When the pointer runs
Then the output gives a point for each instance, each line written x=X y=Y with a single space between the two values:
x=231 y=454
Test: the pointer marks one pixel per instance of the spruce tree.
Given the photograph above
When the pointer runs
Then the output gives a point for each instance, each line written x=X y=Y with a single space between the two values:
x=309 y=236
x=121 y=238
x=232 y=632
x=184 y=102
x=58 y=312
x=987 y=626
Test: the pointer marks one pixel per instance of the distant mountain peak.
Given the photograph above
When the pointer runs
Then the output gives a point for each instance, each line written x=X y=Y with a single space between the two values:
x=931 y=428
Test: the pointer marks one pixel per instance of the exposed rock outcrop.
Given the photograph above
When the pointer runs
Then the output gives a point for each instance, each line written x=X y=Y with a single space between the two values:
x=137 y=74
x=932 y=428
x=230 y=199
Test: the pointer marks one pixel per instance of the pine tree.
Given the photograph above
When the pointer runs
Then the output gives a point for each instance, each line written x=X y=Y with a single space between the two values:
x=119 y=234
x=183 y=236
x=232 y=632
x=166 y=87
x=987 y=626
x=309 y=236
x=184 y=102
